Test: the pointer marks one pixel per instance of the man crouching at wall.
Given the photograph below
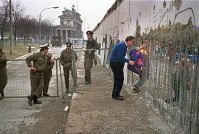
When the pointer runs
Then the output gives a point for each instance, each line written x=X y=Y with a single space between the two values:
x=36 y=73
x=117 y=62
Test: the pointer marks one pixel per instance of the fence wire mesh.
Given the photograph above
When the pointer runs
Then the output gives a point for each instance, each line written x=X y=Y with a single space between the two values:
x=18 y=84
x=173 y=84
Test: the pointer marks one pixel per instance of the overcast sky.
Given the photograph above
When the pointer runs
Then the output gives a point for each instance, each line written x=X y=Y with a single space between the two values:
x=92 y=11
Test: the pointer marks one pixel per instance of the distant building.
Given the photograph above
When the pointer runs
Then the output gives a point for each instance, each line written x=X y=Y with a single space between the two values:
x=70 y=28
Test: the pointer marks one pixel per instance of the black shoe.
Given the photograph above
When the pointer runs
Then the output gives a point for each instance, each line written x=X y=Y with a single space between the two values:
x=46 y=95
x=29 y=100
x=35 y=100
x=118 y=98
x=87 y=82
x=1 y=98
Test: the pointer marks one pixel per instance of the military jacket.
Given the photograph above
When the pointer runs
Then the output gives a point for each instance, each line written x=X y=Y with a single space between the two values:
x=38 y=61
x=66 y=58
x=3 y=63
x=91 y=45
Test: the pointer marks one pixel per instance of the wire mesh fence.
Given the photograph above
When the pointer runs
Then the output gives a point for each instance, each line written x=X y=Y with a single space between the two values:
x=18 y=84
x=173 y=84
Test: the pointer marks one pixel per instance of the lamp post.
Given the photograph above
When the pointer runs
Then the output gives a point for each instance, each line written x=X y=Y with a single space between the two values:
x=40 y=21
x=53 y=26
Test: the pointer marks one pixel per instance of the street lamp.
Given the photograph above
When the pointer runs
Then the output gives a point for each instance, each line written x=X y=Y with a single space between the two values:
x=40 y=20
x=52 y=24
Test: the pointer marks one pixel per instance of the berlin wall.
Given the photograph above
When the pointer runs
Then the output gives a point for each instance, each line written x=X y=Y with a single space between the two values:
x=139 y=17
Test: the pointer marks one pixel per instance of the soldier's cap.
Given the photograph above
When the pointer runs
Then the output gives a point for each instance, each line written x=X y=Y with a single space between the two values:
x=44 y=45
x=89 y=33
x=68 y=44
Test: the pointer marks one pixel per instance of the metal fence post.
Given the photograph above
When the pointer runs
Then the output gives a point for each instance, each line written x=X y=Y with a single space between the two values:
x=60 y=73
x=57 y=77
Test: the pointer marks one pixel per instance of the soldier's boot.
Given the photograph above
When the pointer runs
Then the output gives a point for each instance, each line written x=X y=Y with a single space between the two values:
x=87 y=80
x=2 y=96
x=30 y=99
x=67 y=90
x=35 y=100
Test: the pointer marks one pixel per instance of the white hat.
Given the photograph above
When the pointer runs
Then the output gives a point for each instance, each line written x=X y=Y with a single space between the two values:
x=44 y=45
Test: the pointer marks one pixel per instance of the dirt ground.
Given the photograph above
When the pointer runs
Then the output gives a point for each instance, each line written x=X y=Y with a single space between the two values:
x=50 y=120
x=17 y=117
x=95 y=112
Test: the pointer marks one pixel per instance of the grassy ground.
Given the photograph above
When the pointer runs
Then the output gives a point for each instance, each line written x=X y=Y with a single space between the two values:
x=18 y=50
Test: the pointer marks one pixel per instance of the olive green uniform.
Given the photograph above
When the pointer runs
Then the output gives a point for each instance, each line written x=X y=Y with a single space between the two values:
x=36 y=78
x=47 y=73
x=3 y=73
x=66 y=61
x=89 y=57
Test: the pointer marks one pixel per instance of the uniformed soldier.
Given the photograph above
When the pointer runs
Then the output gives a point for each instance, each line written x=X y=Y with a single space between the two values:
x=3 y=73
x=66 y=58
x=89 y=56
x=37 y=68
x=48 y=73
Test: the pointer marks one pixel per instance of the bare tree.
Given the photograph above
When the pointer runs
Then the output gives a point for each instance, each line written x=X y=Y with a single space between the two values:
x=24 y=25
x=28 y=28
x=3 y=19
x=18 y=11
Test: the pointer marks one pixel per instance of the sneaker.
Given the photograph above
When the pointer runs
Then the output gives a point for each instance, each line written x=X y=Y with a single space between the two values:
x=136 y=91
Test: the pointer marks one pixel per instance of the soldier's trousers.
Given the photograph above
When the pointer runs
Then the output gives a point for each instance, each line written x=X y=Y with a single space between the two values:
x=37 y=85
x=3 y=83
x=66 y=76
x=46 y=85
x=87 y=75
x=88 y=64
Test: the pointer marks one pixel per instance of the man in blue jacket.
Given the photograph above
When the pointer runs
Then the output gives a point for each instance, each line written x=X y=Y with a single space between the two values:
x=117 y=62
